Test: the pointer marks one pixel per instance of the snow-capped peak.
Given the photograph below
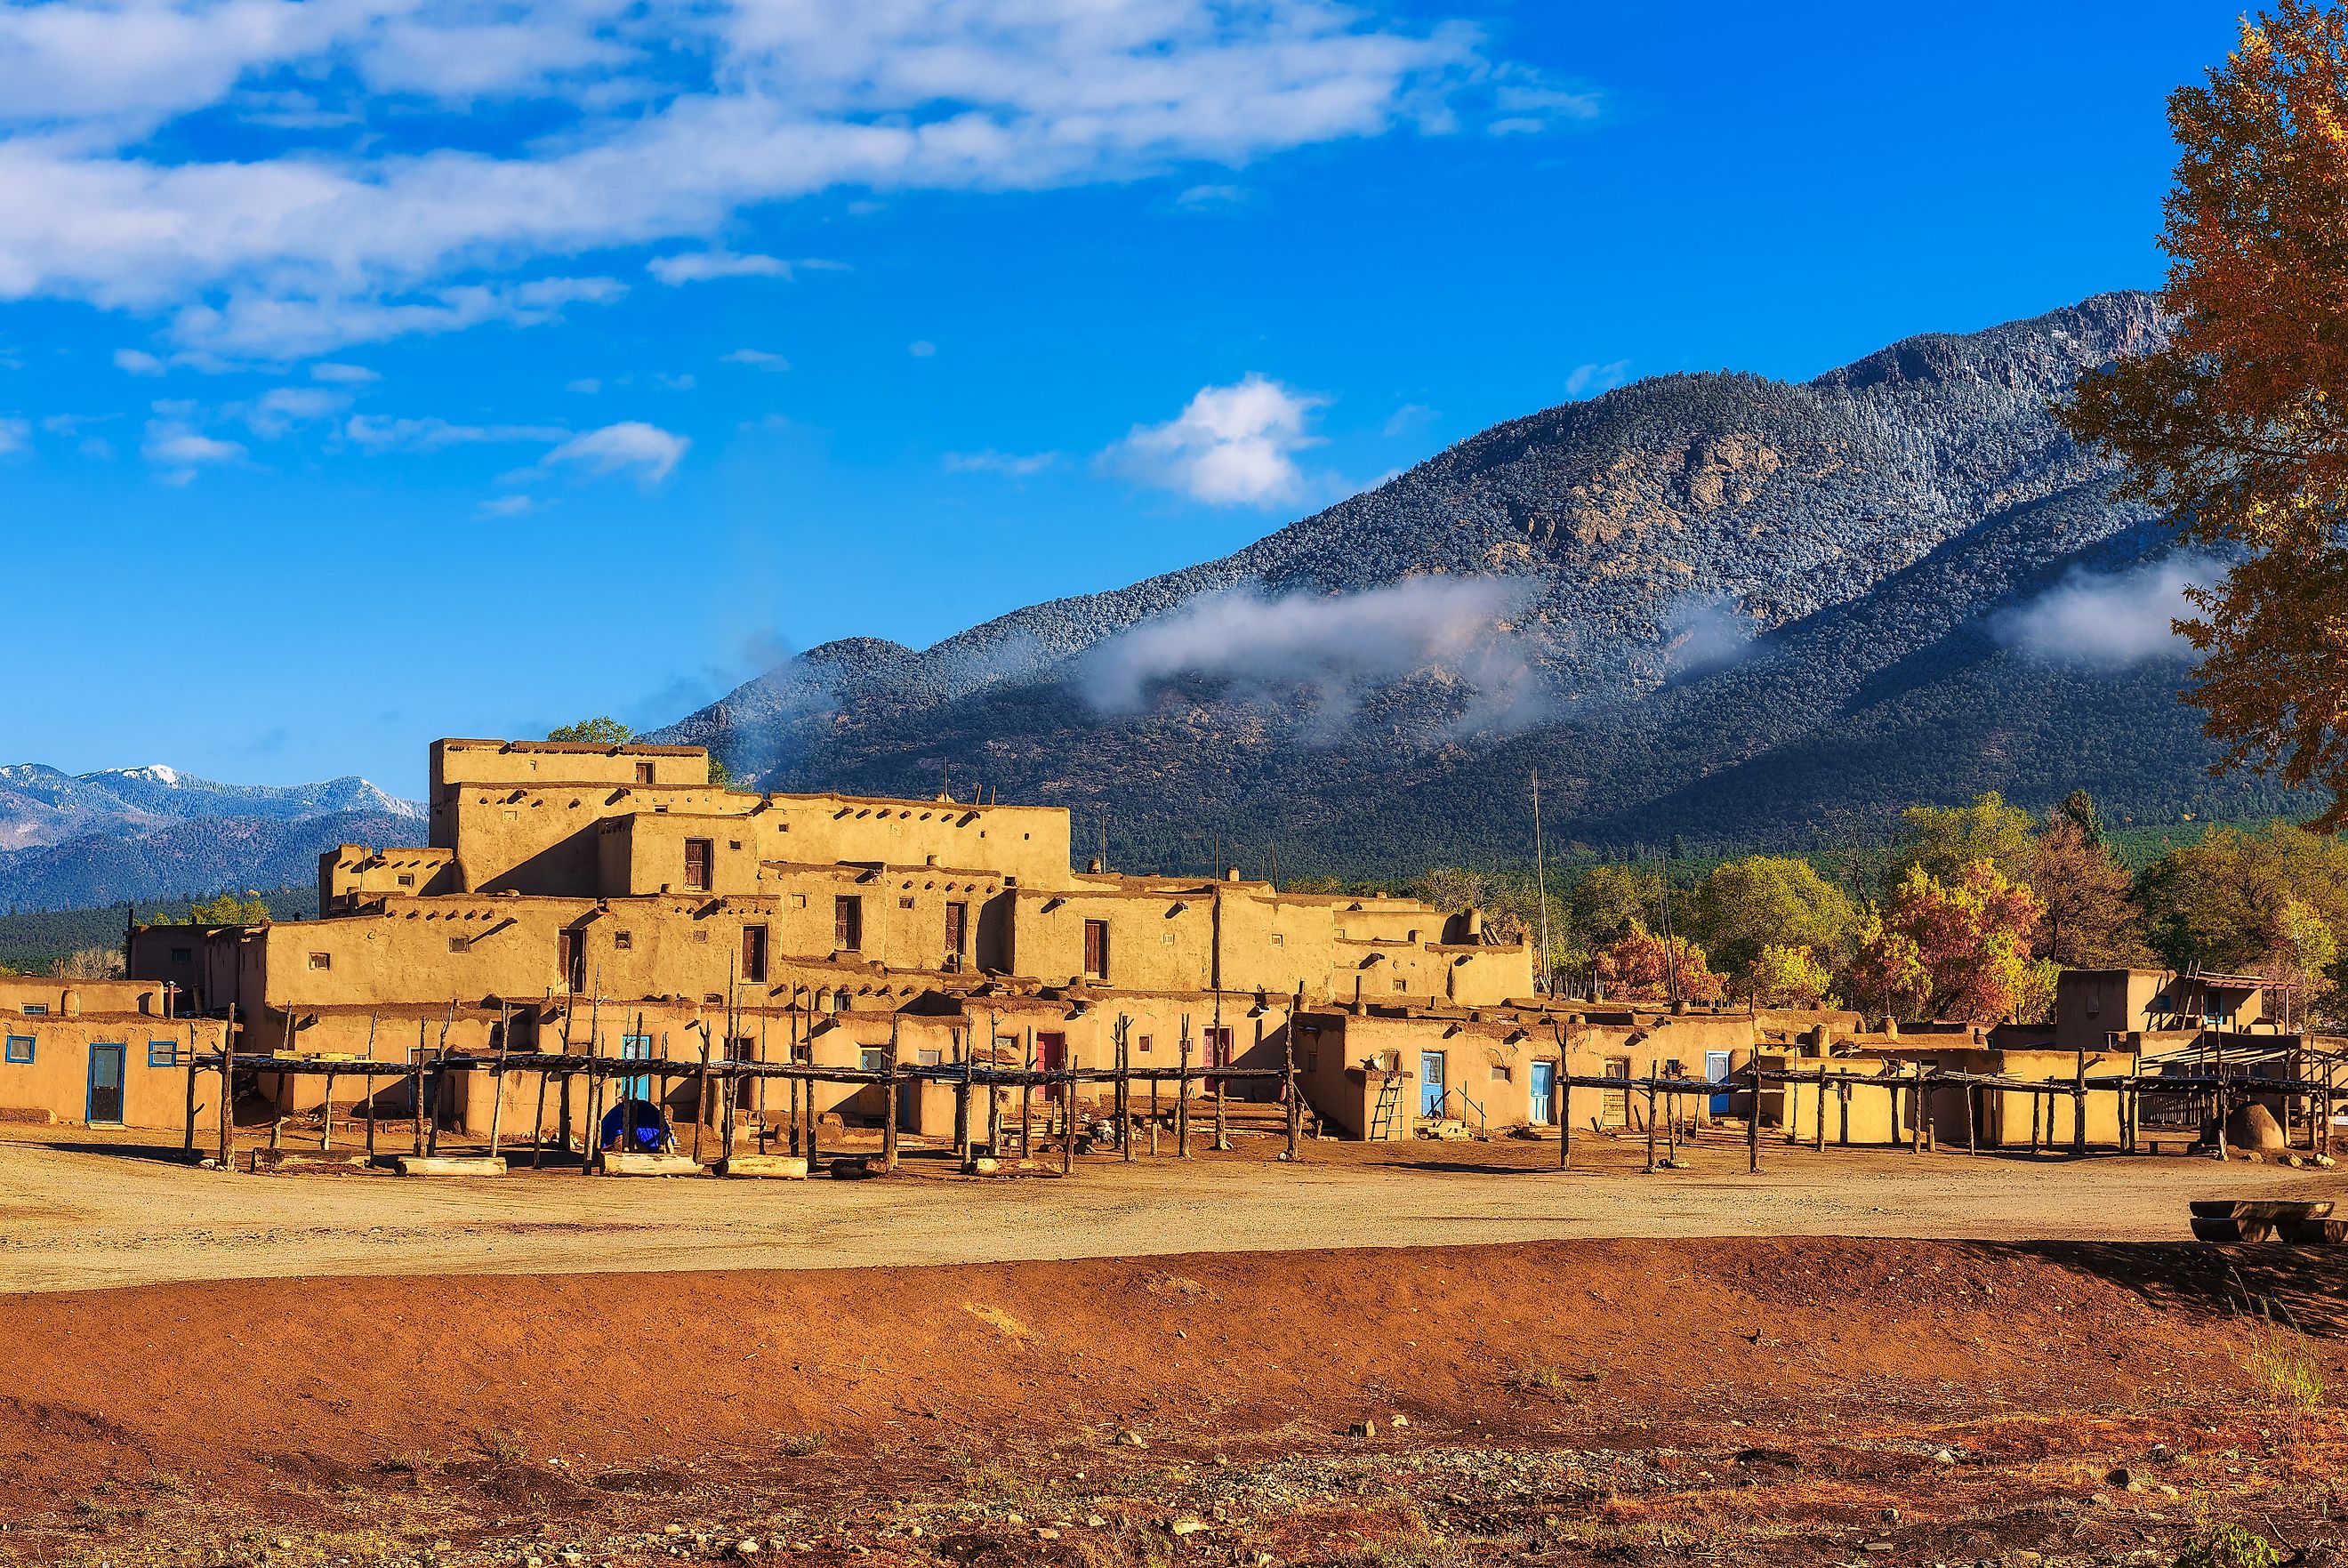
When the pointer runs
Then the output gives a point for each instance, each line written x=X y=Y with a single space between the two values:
x=154 y=773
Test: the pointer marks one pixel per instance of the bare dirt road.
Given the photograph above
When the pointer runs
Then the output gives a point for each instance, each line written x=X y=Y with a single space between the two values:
x=82 y=1215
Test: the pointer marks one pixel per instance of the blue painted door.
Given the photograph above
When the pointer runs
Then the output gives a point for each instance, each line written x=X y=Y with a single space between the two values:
x=1545 y=1093
x=105 y=1106
x=1715 y=1067
x=1430 y=1083
x=636 y=1049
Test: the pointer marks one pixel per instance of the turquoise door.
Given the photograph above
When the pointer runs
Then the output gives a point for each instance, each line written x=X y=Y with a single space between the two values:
x=1544 y=1093
x=636 y=1049
x=1715 y=1067
x=1430 y=1083
x=105 y=1106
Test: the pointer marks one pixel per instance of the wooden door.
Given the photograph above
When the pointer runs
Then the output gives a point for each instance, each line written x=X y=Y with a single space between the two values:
x=105 y=1106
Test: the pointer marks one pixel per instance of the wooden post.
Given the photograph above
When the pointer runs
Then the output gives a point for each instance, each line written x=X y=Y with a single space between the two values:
x=1153 y=1113
x=1182 y=1098
x=326 y=1118
x=889 y=1109
x=1068 y=1113
x=1753 y=1125
x=811 y=1111
x=1027 y=1096
x=537 y=1120
x=1223 y=1138
x=2079 y=1108
x=1974 y=1102
x=1916 y=1134
x=592 y=1133
x=1818 y=1133
x=1564 y=1111
x=228 y=1090
x=497 y=1077
x=1124 y=1090
x=2036 y=1096
x=758 y=1084
x=1650 y=1115
x=701 y=1094
x=191 y=1148
x=1288 y=1092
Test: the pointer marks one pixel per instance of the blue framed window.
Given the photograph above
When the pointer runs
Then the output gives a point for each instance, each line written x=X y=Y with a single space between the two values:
x=20 y=1048
x=162 y=1053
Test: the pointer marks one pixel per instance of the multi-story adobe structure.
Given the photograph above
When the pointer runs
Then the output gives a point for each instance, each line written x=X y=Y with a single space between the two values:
x=613 y=900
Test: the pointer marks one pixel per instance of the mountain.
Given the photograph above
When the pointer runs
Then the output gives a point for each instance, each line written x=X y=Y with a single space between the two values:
x=69 y=840
x=1738 y=610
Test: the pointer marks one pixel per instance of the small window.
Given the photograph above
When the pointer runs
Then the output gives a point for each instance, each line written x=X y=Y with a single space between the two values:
x=20 y=1048
x=621 y=941
x=929 y=1059
x=1500 y=1073
x=510 y=815
x=322 y=961
x=701 y=936
x=162 y=1053
x=1311 y=1061
x=799 y=901
x=1401 y=983
x=2095 y=1004
x=460 y=945
x=1165 y=939
x=183 y=956
x=1145 y=1044
x=732 y=843
x=406 y=880
x=643 y=772
x=37 y=1009
x=873 y=1059
x=1279 y=939
x=904 y=903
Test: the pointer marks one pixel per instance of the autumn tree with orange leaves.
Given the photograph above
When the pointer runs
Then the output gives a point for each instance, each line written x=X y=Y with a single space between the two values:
x=2238 y=428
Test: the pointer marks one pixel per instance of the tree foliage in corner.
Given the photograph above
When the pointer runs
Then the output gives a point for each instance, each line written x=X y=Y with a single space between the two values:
x=2239 y=427
x=601 y=730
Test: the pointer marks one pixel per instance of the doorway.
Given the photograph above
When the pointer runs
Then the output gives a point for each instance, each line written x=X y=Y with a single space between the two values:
x=1430 y=1083
x=1715 y=1067
x=1052 y=1057
x=105 y=1106
x=1544 y=1092
x=636 y=1049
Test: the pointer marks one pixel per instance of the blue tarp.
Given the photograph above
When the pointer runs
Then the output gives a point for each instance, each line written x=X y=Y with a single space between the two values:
x=651 y=1127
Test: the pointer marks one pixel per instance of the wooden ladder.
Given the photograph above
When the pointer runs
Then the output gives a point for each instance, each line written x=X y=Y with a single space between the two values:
x=1382 y=1119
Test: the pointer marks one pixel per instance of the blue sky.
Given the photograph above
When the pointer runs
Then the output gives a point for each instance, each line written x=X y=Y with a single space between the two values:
x=372 y=370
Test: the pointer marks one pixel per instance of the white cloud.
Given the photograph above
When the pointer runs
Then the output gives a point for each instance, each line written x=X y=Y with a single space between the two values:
x=15 y=436
x=2109 y=621
x=376 y=434
x=631 y=444
x=1010 y=465
x=1338 y=645
x=921 y=350
x=510 y=506
x=296 y=325
x=1210 y=198
x=279 y=409
x=659 y=122
x=1409 y=417
x=702 y=266
x=176 y=447
x=342 y=374
x=756 y=359
x=1232 y=446
x=1590 y=380
x=137 y=362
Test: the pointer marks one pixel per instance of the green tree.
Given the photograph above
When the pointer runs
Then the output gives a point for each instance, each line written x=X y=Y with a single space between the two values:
x=228 y=909
x=2222 y=903
x=1786 y=976
x=601 y=730
x=720 y=774
x=1607 y=901
x=2078 y=808
x=1945 y=840
x=1763 y=901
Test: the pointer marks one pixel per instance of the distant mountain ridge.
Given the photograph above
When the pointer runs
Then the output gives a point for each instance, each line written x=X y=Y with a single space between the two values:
x=1717 y=605
x=68 y=840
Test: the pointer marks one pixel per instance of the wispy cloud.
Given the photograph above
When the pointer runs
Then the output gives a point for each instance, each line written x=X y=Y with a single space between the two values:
x=757 y=359
x=342 y=374
x=2109 y=621
x=1010 y=465
x=178 y=449
x=137 y=362
x=704 y=266
x=1339 y=646
x=375 y=434
x=1212 y=198
x=1590 y=380
x=1409 y=417
x=510 y=506
x=277 y=411
x=1230 y=446
x=630 y=447
x=663 y=123
x=922 y=349
x=16 y=435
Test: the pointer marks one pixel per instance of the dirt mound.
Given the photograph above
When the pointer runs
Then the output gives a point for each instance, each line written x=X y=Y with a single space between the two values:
x=317 y=1377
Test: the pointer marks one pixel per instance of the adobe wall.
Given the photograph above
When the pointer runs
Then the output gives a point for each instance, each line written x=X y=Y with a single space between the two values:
x=54 y=1085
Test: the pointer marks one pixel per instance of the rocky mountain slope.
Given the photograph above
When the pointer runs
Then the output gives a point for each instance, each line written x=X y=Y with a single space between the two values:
x=73 y=840
x=1716 y=605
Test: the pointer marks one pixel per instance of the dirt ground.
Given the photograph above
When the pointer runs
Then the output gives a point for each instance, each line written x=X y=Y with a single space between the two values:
x=89 y=1211
x=1800 y=1401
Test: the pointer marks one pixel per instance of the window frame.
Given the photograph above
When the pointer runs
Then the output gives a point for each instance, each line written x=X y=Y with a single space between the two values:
x=162 y=1053
x=21 y=1051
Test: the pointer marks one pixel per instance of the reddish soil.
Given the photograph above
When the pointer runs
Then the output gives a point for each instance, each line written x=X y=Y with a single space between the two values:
x=133 y=1415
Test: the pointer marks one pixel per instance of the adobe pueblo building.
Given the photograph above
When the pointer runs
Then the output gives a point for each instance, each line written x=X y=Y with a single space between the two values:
x=770 y=959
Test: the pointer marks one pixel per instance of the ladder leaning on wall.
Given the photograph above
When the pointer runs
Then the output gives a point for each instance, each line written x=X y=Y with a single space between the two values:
x=1389 y=1105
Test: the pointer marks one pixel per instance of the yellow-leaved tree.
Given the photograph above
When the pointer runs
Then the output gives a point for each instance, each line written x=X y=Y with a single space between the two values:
x=2238 y=428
